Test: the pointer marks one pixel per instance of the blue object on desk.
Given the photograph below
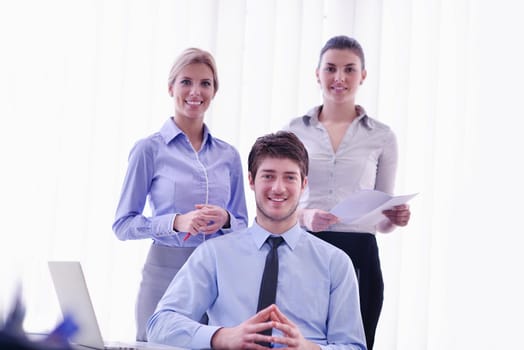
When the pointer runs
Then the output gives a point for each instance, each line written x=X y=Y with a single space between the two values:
x=13 y=336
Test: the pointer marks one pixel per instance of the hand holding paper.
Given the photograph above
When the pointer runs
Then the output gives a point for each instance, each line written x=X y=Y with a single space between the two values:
x=366 y=207
x=398 y=216
x=317 y=220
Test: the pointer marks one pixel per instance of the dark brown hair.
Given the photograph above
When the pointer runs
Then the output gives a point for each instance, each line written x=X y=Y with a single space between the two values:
x=343 y=42
x=283 y=145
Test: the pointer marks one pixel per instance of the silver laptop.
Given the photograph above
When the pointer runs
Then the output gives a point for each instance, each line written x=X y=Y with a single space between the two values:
x=73 y=297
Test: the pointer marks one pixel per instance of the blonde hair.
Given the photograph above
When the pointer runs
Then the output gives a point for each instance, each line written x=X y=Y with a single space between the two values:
x=190 y=56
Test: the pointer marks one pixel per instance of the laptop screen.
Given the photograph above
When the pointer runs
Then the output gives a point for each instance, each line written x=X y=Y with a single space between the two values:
x=73 y=297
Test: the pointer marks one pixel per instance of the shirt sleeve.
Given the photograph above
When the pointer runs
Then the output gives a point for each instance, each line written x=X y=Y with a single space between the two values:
x=387 y=165
x=344 y=328
x=129 y=222
x=184 y=302
x=236 y=206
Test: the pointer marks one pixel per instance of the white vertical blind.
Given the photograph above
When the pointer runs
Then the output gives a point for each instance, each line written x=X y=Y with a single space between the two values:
x=82 y=80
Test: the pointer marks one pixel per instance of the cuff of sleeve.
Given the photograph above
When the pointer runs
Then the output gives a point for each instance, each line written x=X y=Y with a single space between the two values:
x=234 y=224
x=173 y=224
x=162 y=225
x=202 y=338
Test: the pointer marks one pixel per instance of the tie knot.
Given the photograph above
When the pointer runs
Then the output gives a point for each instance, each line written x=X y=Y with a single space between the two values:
x=274 y=242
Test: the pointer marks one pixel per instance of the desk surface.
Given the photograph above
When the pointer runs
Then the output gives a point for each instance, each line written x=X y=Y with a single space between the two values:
x=128 y=345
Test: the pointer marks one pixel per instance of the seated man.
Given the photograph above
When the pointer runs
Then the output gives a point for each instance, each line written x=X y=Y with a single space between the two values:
x=317 y=303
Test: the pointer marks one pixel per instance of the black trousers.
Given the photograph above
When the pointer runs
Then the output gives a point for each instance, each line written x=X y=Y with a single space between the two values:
x=363 y=250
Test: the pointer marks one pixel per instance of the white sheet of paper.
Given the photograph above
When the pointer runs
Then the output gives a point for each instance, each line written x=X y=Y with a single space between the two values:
x=366 y=207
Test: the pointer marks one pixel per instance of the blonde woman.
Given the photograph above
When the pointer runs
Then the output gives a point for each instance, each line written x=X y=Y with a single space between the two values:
x=192 y=180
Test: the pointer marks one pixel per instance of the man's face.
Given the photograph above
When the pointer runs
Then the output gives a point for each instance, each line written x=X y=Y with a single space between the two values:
x=277 y=186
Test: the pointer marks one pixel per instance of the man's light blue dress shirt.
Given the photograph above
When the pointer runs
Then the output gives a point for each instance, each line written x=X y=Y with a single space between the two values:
x=165 y=169
x=317 y=290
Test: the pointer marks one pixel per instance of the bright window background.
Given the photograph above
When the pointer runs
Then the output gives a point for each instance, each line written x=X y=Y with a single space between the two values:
x=81 y=81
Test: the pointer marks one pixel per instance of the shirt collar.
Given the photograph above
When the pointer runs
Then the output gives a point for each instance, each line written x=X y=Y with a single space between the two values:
x=170 y=131
x=362 y=117
x=291 y=236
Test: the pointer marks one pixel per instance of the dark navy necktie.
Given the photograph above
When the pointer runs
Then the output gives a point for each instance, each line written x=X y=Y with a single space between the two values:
x=268 y=285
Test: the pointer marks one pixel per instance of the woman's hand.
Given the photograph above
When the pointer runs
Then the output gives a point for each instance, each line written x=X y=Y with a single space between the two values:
x=213 y=218
x=398 y=215
x=316 y=220
x=206 y=219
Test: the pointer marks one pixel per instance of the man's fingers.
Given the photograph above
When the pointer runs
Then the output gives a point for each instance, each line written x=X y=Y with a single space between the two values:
x=281 y=316
x=263 y=315
x=261 y=326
